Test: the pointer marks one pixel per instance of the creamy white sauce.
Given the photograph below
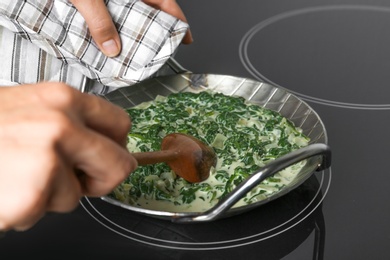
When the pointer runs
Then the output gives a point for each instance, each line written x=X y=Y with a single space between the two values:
x=171 y=184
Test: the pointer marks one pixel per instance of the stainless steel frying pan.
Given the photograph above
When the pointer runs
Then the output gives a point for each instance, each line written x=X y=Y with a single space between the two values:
x=317 y=153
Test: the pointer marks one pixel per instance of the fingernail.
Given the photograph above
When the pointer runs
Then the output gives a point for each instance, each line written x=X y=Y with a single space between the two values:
x=110 y=48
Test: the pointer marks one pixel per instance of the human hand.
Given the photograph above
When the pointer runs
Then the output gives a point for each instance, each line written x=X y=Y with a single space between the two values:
x=56 y=145
x=103 y=30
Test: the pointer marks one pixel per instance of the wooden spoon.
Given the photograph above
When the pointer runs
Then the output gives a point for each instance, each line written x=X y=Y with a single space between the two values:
x=187 y=156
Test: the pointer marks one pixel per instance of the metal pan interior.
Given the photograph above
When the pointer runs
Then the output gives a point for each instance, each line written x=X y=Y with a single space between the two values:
x=259 y=93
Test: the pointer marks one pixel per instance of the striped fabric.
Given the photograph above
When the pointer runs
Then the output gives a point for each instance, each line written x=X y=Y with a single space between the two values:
x=23 y=62
x=43 y=40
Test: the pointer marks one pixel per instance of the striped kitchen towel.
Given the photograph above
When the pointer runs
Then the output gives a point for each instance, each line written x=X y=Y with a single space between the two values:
x=44 y=40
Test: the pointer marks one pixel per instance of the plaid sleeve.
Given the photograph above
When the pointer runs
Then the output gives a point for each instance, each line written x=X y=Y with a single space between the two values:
x=149 y=37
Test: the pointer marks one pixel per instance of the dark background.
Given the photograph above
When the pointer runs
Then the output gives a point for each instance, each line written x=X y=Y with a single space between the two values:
x=333 y=54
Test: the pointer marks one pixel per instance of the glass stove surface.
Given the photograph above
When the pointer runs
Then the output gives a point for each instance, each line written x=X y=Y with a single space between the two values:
x=334 y=55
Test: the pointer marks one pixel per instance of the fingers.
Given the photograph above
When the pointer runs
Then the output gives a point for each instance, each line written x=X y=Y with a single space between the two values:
x=94 y=112
x=103 y=30
x=66 y=131
x=25 y=192
x=93 y=134
x=100 y=24
x=105 y=118
x=104 y=163
x=171 y=7
x=45 y=183
x=66 y=189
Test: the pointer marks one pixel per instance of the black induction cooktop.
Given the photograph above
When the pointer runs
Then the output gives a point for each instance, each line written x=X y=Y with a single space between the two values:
x=334 y=55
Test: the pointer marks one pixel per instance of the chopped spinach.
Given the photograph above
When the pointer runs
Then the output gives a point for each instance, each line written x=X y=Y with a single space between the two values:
x=244 y=136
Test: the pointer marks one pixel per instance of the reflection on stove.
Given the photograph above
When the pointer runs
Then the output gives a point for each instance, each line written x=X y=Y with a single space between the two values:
x=336 y=63
x=274 y=229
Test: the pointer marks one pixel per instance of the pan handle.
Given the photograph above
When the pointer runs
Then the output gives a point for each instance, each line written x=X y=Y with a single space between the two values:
x=247 y=185
x=175 y=66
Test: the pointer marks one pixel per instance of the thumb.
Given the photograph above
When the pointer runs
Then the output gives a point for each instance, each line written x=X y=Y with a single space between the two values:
x=100 y=25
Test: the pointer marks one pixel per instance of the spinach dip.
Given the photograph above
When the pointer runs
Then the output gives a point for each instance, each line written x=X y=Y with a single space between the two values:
x=244 y=136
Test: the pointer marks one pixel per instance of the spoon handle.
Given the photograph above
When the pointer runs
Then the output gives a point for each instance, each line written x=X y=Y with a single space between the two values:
x=145 y=158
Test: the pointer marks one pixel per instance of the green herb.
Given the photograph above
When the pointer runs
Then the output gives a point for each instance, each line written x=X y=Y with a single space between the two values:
x=244 y=136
